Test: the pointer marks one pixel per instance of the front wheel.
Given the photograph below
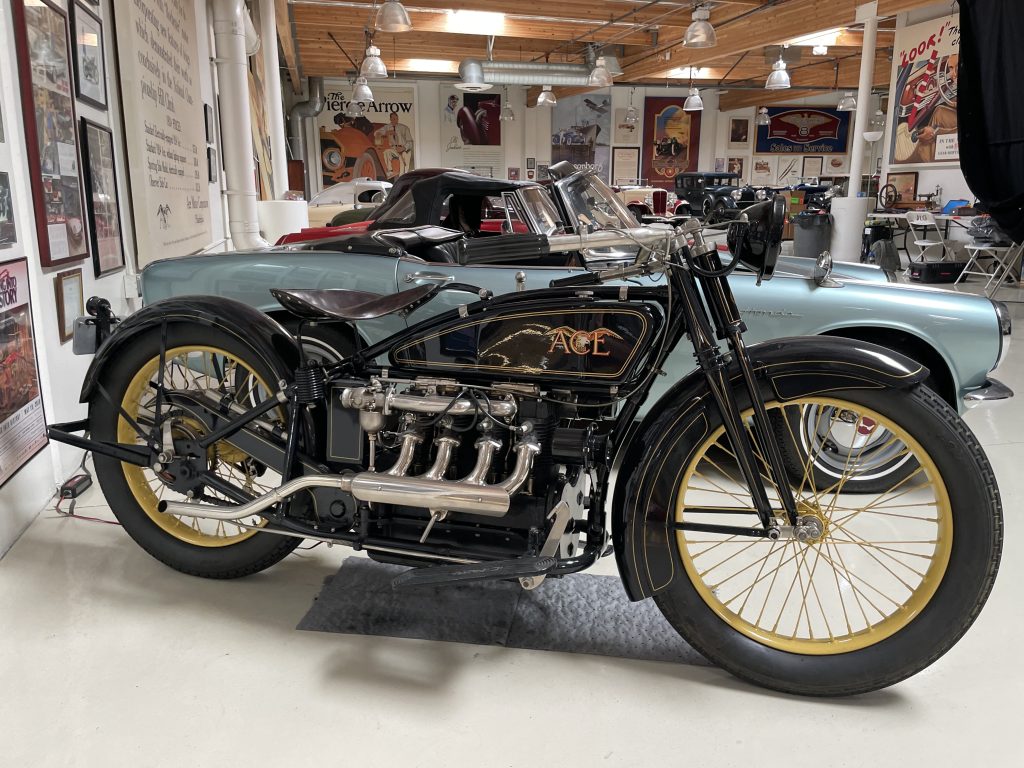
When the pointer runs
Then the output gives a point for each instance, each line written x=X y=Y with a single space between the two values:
x=879 y=585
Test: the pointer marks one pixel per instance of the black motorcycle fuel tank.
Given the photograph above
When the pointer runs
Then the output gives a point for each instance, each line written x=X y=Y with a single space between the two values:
x=554 y=341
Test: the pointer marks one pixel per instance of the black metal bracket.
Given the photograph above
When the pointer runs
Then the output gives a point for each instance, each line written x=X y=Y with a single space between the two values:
x=129 y=454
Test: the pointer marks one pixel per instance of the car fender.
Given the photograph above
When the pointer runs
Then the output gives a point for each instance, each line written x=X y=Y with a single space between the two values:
x=787 y=369
x=257 y=330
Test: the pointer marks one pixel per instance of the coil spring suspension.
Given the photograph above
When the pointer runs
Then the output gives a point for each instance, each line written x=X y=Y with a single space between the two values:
x=310 y=383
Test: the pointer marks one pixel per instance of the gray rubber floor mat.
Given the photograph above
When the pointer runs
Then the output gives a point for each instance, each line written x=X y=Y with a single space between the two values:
x=576 y=614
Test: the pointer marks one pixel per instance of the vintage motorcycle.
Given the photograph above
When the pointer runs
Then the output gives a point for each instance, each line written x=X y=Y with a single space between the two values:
x=499 y=441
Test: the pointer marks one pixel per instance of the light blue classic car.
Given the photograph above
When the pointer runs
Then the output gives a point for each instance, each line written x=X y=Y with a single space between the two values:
x=960 y=338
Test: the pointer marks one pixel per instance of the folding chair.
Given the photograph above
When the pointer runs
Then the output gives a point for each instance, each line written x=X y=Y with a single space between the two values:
x=921 y=223
x=1003 y=260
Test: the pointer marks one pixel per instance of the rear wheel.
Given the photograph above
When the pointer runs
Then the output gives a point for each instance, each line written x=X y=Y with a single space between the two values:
x=199 y=360
x=877 y=588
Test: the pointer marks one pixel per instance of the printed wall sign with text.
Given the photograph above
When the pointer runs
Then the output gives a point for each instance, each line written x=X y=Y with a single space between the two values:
x=804 y=131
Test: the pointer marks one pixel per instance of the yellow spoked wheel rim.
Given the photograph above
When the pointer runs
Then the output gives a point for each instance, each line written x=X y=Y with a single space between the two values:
x=195 y=368
x=874 y=563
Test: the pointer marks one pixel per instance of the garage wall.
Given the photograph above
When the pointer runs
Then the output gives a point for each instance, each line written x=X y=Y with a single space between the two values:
x=61 y=372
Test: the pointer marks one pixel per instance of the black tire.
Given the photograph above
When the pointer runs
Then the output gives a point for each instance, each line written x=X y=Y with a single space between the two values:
x=327 y=343
x=247 y=556
x=953 y=599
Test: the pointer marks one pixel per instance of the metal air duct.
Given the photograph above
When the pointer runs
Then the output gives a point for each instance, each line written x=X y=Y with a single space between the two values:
x=312 y=107
x=524 y=73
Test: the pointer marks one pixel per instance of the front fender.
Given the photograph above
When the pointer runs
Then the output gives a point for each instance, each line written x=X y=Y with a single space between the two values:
x=265 y=335
x=786 y=370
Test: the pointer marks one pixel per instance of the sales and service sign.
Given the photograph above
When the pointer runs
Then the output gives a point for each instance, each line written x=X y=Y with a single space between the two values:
x=22 y=424
x=804 y=131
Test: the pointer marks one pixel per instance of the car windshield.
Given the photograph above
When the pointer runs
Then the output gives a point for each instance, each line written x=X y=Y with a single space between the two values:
x=542 y=210
x=591 y=197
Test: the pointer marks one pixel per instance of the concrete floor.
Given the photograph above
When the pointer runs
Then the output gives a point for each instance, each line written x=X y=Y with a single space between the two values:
x=108 y=658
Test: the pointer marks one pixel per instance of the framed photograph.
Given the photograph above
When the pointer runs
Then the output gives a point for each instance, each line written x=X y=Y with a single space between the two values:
x=101 y=198
x=788 y=174
x=212 y=167
x=531 y=163
x=90 y=68
x=719 y=165
x=8 y=230
x=513 y=174
x=51 y=131
x=762 y=173
x=737 y=165
x=210 y=128
x=739 y=133
x=626 y=165
x=813 y=167
x=905 y=183
x=68 y=289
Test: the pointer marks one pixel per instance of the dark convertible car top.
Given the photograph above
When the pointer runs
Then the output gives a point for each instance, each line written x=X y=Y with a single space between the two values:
x=429 y=190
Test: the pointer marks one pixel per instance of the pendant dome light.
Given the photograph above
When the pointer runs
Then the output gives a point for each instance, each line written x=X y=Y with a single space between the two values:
x=392 y=17
x=354 y=109
x=693 y=103
x=373 y=67
x=362 y=91
x=700 y=33
x=762 y=116
x=632 y=114
x=507 y=114
x=778 y=80
x=599 y=75
x=848 y=103
x=547 y=97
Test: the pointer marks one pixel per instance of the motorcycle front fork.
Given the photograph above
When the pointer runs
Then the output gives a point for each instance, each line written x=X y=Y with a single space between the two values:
x=749 y=446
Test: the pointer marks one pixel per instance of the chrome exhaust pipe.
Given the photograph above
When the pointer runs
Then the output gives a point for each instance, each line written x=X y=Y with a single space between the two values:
x=485 y=449
x=487 y=500
x=254 y=507
x=525 y=450
x=405 y=456
x=382 y=488
x=445 y=447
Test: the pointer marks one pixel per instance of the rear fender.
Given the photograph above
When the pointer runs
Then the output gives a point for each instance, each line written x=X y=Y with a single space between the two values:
x=263 y=334
x=786 y=369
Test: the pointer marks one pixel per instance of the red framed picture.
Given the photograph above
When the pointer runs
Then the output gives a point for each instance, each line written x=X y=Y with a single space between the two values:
x=671 y=140
x=53 y=149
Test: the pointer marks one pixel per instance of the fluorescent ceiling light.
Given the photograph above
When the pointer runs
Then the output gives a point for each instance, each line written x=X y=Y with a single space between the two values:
x=476 y=22
x=828 y=38
x=431 y=65
x=697 y=73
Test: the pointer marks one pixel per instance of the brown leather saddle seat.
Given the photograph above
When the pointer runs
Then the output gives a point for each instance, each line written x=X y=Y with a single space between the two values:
x=340 y=304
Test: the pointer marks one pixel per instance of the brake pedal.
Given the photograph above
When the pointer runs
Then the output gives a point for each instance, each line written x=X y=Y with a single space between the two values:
x=498 y=569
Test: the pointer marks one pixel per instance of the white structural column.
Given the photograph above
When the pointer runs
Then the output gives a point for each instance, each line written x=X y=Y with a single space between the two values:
x=272 y=97
x=848 y=213
x=233 y=78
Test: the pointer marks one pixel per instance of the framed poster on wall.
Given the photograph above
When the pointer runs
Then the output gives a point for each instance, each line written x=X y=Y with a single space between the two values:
x=737 y=165
x=581 y=132
x=51 y=131
x=165 y=134
x=101 y=198
x=90 y=68
x=801 y=130
x=924 y=88
x=813 y=167
x=739 y=133
x=626 y=165
x=69 y=293
x=671 y=140
x=22 y=422
x=8 y=229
